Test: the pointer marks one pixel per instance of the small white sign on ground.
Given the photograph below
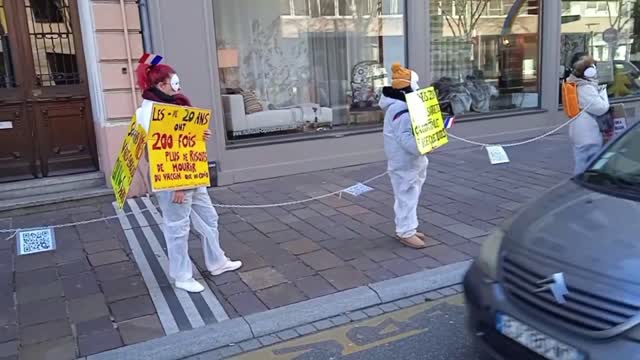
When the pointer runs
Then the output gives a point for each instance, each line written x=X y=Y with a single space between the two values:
x=497 y=155
x=358 y=189
x=36 y=241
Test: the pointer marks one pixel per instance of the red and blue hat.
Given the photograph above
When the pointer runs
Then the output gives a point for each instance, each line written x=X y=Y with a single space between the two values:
x=150 y=59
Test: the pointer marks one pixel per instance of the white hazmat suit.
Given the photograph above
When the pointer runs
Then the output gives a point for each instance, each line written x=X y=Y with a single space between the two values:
x=407 y=167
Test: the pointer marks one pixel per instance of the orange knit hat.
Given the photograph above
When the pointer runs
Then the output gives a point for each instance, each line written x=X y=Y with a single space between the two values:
x=401 y=76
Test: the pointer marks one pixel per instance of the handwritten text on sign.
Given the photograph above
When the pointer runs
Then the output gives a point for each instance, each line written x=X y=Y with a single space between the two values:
x=177 y=150
x=128 y=159
x=426 y=119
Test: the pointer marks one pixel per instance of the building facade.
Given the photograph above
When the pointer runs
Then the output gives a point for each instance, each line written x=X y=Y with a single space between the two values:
x=294 y=84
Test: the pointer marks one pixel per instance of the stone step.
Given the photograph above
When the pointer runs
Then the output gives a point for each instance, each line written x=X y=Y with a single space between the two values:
x=54 y=198
x=54 y=186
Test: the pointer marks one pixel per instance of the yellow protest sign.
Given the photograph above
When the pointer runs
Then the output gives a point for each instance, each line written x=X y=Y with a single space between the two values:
x=128 y=160
x=177 y=150
x=426 y=119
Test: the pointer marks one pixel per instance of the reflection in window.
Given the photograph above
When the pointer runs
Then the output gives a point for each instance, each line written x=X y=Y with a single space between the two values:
x=47 y=11
x=301 y=7
x=7 y=74
x=484 y=54
x=284 y=75
x=617 y=52
x=52 y=43
x=63 y=68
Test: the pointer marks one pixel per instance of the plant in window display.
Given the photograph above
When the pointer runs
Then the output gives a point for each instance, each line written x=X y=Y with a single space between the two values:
x=621 y=84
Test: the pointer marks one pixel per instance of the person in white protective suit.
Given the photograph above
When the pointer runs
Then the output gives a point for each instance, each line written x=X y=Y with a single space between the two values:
x=160 y=83
x=584 y=131
x=407 y=167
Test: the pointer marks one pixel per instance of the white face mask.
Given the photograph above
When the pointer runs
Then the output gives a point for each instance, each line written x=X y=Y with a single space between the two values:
x=414 y=81
x=591 y=72
x=175 y=83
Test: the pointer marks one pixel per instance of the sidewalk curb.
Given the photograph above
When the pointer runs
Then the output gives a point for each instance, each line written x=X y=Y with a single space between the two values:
x=211 y=337
x=301 y=313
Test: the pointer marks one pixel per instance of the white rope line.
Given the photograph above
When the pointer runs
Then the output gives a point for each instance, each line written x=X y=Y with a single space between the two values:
x=14 y=232
x=524 y=142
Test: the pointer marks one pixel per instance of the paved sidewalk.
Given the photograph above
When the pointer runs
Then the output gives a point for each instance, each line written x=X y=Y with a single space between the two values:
x=97 y=292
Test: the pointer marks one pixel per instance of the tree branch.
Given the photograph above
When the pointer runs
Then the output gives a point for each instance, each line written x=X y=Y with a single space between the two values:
x=619 y=17
x=475 y=21
x=448 y=18
x=622 y=25
x=462 y=14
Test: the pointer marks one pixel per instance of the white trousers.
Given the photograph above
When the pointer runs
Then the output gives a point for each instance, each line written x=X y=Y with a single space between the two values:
x=197 y=209
x=407 y=185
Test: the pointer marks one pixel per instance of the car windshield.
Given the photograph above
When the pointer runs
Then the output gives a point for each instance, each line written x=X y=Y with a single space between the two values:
x=618 y=168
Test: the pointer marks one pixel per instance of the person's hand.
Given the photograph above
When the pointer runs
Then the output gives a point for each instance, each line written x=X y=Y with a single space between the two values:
x=178 y=196
x=207 y=134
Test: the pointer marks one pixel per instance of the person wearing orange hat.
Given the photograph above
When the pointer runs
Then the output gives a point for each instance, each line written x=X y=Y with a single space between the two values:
x=406 y=166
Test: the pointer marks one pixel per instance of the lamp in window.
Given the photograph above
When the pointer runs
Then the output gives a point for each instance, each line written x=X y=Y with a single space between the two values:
x=228 y=61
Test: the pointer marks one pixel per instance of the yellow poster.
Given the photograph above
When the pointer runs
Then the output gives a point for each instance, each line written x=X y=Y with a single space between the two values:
x=177 y=150
x=128 y=159
x=426 y=119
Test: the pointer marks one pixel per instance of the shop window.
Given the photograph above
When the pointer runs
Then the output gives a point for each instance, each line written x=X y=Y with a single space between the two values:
x=285 y=7
x=292 y=76
x=345 y=7
x=480 y=63
x=301 y=7
x=393 y=7
x=612 y=36
x=322 y=8
x=494 y=8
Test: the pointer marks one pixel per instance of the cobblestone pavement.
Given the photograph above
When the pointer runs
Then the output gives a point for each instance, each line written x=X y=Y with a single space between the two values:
x=90 y=295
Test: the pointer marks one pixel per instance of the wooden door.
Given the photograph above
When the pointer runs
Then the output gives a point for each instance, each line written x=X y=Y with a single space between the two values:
x=45 y=95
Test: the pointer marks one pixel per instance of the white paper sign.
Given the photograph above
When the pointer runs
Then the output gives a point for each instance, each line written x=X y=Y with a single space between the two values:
x=5 y=125
x=619 y=126
x=497 y=155
x=358 y=189
x=36 y=241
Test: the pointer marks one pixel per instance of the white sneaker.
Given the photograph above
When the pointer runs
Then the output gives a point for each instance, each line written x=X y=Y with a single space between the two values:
x=190 y=285
x=228 y=266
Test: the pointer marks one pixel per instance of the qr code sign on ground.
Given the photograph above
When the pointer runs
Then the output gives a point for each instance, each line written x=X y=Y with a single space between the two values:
x=358 y=189
x=35 y=241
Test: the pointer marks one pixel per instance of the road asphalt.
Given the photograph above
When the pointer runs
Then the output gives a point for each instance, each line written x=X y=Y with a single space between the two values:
x=431 y=331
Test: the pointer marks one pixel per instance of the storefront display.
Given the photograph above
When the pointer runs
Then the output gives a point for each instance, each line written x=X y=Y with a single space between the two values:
x=485 y=54
x=303 y=67
x=293 y=85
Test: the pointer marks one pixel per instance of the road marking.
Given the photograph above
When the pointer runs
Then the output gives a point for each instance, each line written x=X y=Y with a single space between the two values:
x=210 y=299
x=356 y=337
x=162 y=308
x=183 y=297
